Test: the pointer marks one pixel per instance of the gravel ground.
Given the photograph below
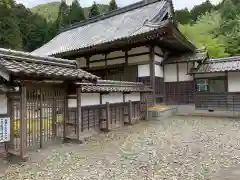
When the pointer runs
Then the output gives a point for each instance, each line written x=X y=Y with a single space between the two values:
x=188 y=148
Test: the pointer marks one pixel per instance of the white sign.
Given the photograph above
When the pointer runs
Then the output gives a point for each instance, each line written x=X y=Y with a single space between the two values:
x=4 y=129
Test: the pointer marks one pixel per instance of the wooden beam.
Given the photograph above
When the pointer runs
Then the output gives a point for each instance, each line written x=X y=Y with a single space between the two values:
x=23 y=122
x=121 y=57
x=79 y=113
x=152 y=72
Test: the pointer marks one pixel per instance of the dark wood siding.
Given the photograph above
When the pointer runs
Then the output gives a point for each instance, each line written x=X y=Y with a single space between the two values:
x=218 y=101
x=180 y=92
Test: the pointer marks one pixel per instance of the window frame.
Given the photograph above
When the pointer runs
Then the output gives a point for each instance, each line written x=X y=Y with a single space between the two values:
x=224 y=78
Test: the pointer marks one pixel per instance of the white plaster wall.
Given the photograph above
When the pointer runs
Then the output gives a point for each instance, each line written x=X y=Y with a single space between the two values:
x=97 y=64
x=97 y=57
x=116 y=54
x=3 y=104
x=112 y=98
x=132 y=97
x=137 y=50
x=89 y=99
x=183 y=72
x=72 y=103
x=209 y=75
x=158 y=71
x=170 y=73
x=158 y=58
x=137 y=59
x=158 y=50
x=82 y=62
x=233 y=81
x=116 y=61
x=143 y=70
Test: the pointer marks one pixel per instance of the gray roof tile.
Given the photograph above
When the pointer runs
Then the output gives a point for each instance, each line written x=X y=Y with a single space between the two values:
x=198 y=55
x=130 y=22
x=20 y=63
x=114 y=86
x=219 y=65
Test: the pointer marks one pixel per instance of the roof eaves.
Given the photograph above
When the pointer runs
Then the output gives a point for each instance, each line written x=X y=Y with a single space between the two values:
x=25 y=55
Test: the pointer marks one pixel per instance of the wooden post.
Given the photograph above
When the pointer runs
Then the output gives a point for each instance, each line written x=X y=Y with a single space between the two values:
x=79 y=113
x=65 y=108
x=108 y=117
x=152 y=72
x=130 y=112
x=54 y=116
x=10 y=112
x=23 y=122
x=178 y=95
x=41 y=118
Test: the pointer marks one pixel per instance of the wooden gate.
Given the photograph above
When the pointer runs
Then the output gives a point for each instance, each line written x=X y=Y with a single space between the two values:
x=43 y=113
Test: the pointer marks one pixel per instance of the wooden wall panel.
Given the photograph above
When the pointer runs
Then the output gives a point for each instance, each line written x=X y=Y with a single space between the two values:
x=180 y=92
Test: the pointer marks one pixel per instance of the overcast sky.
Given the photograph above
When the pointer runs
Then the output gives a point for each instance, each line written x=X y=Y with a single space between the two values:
x=178 y=4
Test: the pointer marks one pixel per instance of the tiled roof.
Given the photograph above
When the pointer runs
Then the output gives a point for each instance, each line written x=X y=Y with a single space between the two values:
x=198 y=55
x=114 y=86
x=120 y=24
x=23 y=64
x=219 y=65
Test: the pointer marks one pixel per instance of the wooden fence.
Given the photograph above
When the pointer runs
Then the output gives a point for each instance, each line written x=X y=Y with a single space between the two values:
x=105 y=117
x=218 y=101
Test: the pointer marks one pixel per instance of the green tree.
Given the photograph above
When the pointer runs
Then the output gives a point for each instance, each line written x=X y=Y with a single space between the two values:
x=63 y=15
x=230 y=28
x=94 y=10
x=203 y=34
x=183 y=16
x=76 y=13
x=112 y=5
x=10 y=35
x=201 y=9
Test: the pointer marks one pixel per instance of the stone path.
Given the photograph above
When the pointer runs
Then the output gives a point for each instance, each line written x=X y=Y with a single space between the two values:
x=177 y=148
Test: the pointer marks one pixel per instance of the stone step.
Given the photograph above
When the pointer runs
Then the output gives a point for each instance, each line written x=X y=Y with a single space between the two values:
x=156 y=113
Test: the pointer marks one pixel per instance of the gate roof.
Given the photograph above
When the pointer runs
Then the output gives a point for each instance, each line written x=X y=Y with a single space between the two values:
x=22 y=65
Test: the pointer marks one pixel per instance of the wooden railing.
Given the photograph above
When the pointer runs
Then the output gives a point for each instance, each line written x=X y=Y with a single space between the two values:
x=218 y=101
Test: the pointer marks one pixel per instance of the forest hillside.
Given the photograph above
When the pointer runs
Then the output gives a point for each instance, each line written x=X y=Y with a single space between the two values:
x=216 y=27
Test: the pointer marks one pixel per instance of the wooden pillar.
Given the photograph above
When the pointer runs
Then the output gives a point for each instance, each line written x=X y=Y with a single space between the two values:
x=106 y=70
x=23 y=122
x=152 y=72
x=178 y=95
x=10 y=114
x=65 y=117
x=108 y=117
x=41 y=119
x=79 y=113
x=54 y=116
x=130 y=112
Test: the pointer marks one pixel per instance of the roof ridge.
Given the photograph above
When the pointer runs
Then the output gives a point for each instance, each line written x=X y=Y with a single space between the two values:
x=110 y=14
x=224 y=59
